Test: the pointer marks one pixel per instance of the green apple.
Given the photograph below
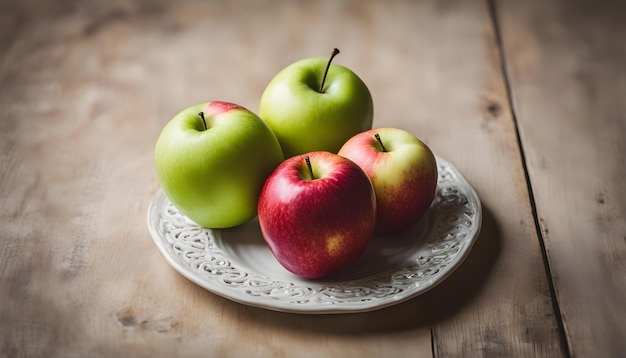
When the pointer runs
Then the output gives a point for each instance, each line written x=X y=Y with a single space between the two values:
x=212 y=160
x=313 y=105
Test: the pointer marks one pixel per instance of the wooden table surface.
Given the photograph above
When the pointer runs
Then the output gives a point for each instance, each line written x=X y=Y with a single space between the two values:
x=526 y=98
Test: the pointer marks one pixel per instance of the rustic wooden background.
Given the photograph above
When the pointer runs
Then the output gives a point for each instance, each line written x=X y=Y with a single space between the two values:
x=526 y=98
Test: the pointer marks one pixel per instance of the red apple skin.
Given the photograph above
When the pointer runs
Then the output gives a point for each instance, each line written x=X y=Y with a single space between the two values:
x=215 y=108
x=315 y=227
x=404 y=176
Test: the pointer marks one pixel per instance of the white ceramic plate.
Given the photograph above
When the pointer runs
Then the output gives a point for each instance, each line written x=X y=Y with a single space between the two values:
x=237 y=264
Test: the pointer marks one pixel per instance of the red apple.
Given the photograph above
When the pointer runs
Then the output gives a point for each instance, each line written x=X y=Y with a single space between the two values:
x=403 y=171
x=317 y=212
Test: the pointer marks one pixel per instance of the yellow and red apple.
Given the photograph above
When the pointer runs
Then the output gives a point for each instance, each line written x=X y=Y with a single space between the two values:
x=403 y=171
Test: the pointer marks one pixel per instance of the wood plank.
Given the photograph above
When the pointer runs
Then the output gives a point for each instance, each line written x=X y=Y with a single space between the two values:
x=84 y=93
x=569 y=83
x=499 y=303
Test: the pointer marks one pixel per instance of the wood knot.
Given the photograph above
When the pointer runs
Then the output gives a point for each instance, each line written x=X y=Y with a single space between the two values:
x=493 y=108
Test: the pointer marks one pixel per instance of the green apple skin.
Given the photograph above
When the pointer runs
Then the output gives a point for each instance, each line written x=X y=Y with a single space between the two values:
x=305 y=119
x=404 y=175
x=214 y=176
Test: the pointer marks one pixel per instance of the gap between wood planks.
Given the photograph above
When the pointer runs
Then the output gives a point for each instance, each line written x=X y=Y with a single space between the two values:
x=504 y=66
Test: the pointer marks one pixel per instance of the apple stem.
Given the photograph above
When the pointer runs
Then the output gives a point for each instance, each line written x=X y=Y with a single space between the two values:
x=308 y=163
x=201 y=114
x=380 y=141
x=332 y=55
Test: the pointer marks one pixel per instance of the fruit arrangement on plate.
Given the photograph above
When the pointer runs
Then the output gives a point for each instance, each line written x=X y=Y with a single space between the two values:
x=320 y=180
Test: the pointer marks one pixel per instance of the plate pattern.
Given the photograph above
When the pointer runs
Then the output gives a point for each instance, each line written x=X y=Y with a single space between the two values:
x=195 y=252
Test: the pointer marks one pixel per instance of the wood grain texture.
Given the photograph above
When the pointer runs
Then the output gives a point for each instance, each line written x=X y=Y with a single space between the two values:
x=569 y=83
x=499 y=304
x=85 y=89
